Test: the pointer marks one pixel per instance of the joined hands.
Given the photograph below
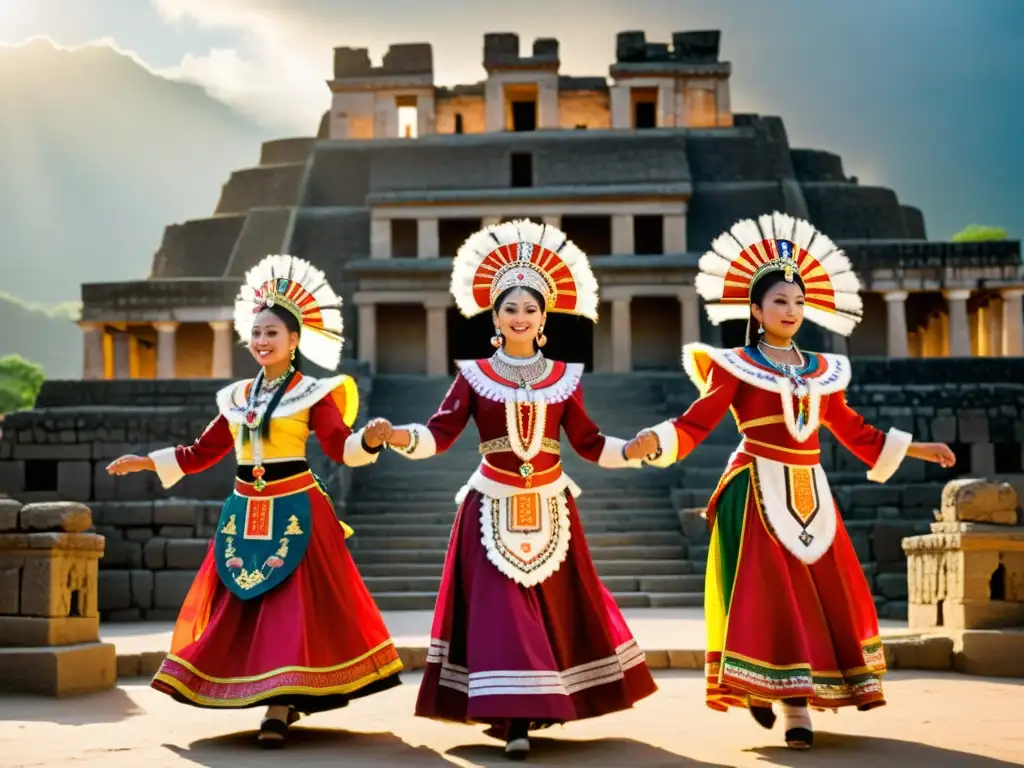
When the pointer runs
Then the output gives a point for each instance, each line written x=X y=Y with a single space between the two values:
x=642 y=446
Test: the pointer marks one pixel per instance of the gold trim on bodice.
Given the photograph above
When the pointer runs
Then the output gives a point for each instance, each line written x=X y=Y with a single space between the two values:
x=504 y=444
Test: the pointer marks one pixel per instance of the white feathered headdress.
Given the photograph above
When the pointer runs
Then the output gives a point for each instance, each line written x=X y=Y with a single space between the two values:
x=297 y=286
x=523 y=253
x=750 y=249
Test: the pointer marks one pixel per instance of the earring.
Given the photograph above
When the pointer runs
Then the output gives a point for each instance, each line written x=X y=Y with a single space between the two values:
x=497 y=340
x=293 y=354
x=541 y=338
x=760 y=330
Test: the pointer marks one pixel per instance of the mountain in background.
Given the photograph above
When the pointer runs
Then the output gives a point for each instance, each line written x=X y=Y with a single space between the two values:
x=98 y=155
x=48 y=336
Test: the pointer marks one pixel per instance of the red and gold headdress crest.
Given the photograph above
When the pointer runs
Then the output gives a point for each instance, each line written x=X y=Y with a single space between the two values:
x=300 y=288
x=750 y=249
x=522 y=253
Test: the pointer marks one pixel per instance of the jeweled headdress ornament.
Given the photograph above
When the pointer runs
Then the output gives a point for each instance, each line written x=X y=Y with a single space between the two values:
x=300 y=288
x=522 y=253
x=750 y=249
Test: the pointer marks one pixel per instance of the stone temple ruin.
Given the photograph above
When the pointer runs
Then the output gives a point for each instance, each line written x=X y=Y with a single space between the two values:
x=49 y=612
x=966 y=577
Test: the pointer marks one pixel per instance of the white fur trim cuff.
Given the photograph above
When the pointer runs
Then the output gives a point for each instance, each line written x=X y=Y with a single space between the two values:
x=897 y=442
x=422 y=445
x=354 y=454
x=611 y=455
x=167 y=467
x=668 y=442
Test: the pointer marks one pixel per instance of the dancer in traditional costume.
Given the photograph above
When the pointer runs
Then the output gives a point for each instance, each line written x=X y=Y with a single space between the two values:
x=524 y=635
x=790 y=616
x=278 y=615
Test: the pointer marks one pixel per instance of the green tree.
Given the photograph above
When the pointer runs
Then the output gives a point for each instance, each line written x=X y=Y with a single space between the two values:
x=975 y=233
x=20 y=382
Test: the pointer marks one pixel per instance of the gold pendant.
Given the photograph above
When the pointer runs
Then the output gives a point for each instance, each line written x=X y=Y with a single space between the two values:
x=259 y=484
x=526 y=469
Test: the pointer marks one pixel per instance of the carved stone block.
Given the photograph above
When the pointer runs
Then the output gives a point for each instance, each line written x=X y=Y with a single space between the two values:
x=975 y=500
x=20 y=631
x=60 y=671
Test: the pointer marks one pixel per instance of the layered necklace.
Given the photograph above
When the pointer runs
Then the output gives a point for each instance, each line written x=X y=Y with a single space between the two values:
x=260 y=395
x=799 y=383
x=525 y=416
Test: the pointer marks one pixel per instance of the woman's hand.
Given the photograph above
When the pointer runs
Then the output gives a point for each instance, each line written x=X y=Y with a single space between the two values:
x=643 y=445
x=377 y=432
x=937 y=453
x=126 y=465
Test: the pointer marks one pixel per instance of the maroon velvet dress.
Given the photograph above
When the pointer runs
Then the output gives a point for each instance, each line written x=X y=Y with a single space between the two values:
x=523 y=627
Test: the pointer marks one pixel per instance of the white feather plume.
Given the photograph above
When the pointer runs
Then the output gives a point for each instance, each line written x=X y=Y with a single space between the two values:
x=784 y=225
x=838 y=322
x=481 y=244
x=720 y=313
x=803 y=233
x=747 y=232
x=320 y=345
x=710 y=287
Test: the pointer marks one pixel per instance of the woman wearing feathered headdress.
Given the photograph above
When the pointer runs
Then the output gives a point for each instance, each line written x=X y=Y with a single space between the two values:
x=256 y=627
x=524 y=635
x=790 y=617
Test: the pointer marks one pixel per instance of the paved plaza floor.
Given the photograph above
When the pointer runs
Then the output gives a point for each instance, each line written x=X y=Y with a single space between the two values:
x=933 y=719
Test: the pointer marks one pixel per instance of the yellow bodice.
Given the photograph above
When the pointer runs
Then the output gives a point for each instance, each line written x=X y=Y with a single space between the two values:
x=290 y=423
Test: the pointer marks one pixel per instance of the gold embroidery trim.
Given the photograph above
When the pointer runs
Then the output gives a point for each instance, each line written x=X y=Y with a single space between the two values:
x=503 y=444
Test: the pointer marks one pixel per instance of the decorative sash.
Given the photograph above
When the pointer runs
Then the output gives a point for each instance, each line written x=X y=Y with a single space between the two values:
x=526 y=535
x=797 y=504
x=262 y=536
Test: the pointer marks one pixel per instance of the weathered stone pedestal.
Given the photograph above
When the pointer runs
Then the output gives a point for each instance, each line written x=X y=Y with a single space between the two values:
x=49 y=617
x=966 y=577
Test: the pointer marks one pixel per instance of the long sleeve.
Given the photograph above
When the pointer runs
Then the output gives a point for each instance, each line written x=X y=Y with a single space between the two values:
x=444 y=427
x=882 y=452
x=340 y=443
x=174 y=463
x=586 y=439
x=678 y=437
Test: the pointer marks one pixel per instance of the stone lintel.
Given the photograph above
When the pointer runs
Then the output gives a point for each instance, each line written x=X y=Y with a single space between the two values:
x=966 y=541
x=35 y=544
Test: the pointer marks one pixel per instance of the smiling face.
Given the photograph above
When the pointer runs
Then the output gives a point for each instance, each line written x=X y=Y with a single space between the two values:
x=270 y=342
x=781 y=312
x=519 y=317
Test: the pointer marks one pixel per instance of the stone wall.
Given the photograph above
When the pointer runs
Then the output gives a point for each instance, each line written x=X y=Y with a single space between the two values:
x=264 y=186
x=198 y=248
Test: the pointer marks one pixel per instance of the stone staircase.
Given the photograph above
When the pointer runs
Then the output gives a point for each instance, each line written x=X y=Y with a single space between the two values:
x=402 y=511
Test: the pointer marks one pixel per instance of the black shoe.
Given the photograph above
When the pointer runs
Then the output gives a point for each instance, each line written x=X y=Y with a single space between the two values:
x=517 y=746
x=764 y=716
x=799 y=738
x=273 y=731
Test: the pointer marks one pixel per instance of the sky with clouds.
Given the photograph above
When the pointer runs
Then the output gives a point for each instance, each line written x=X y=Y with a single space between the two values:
x=925 y=96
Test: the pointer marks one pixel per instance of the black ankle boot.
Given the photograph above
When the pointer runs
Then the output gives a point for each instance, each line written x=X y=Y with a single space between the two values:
x=517 y=746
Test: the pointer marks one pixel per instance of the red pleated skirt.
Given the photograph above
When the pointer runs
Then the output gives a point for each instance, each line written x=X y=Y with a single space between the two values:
x=778 y=628
x=314 y=642
x=552 y=653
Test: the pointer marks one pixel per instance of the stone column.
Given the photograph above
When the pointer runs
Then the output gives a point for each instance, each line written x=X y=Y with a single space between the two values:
x=94 y=364
x=428 y=244
x=221 y=366
x=959 y=323
x=995 y=327
x=1013 y=322
x=689 y=304
x=623 y=242
x=620 y=106
x=977 y=341
x=622 y=342
x=673 y=236
x=437 y=337
x=547 y=104
x=494 y=106
x=122 y=355
x=367 y=341
x=165 y=349
x=667 y=105
x=380 y=239
x=896 y=311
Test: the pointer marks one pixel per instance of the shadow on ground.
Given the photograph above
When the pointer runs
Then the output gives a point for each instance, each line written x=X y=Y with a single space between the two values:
x=601 y=753
x=308 y=747
x=834 y=749
x=111 y=706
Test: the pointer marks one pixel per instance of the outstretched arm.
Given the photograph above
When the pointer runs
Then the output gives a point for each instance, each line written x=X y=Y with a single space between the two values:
x=676 y=438
x=331 y=419
x=882 y=452
x=172 y=464
x=586 y=439
x=421 y=441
